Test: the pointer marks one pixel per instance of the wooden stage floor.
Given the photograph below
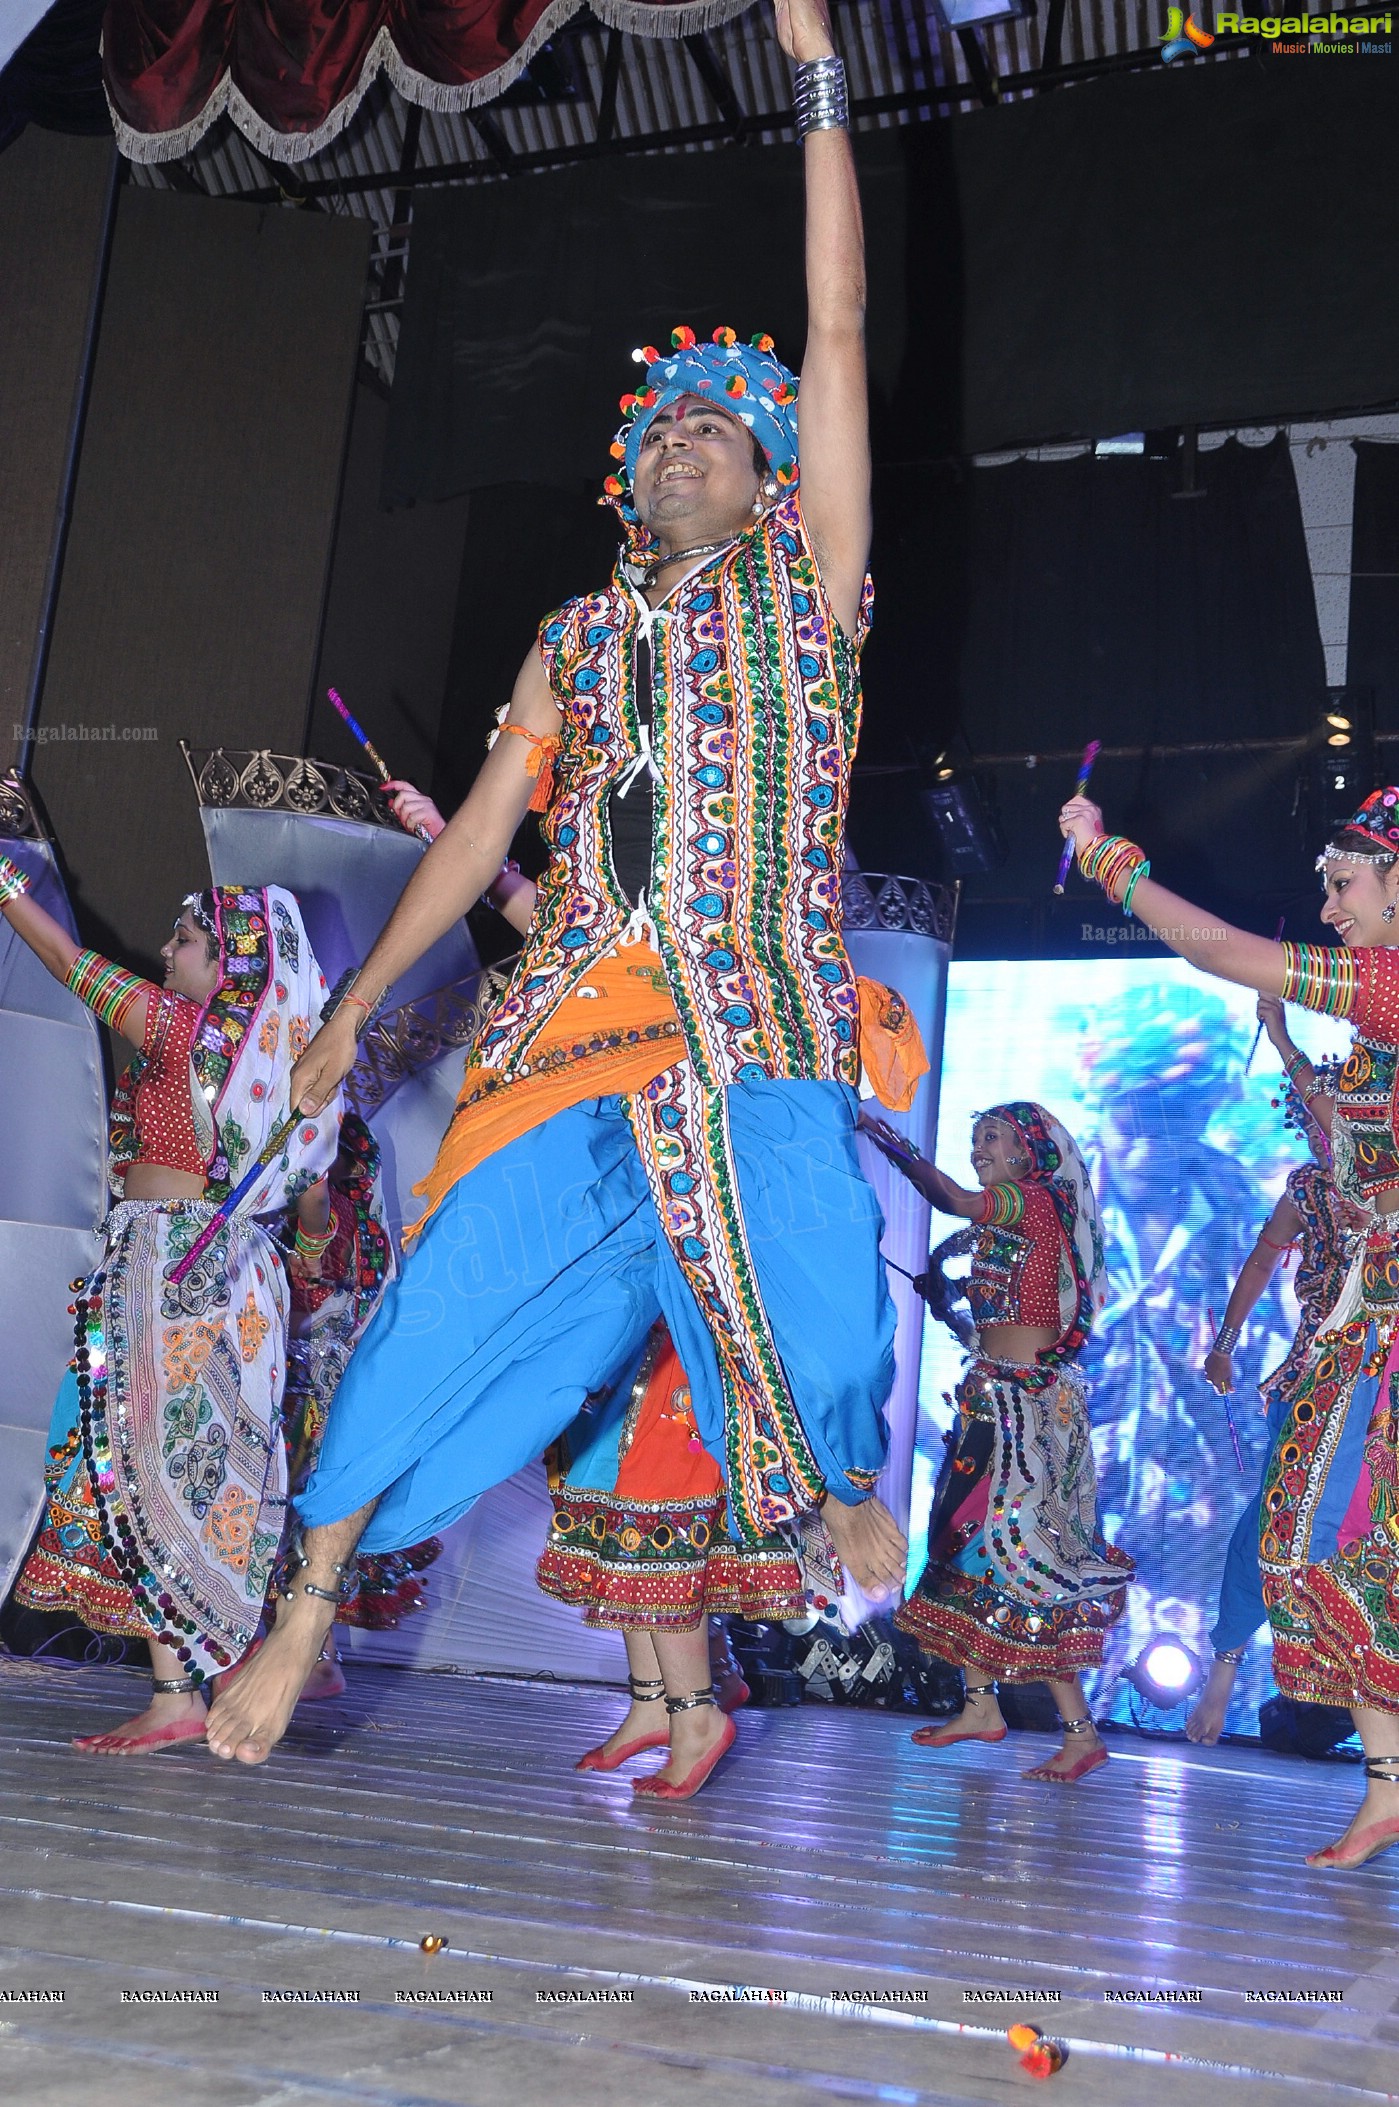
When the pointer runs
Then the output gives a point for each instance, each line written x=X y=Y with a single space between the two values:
x=828 y=1857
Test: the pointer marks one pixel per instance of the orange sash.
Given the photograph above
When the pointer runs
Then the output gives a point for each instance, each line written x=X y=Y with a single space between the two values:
x=617 y=1032
x=614 y=1033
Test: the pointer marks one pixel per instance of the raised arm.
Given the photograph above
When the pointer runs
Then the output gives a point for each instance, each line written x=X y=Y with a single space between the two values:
x=945 y=1193
x=452 y=876
x=1215 y=947
x=1299 y=1070
x=834 y=401
x=1283 y=1227
x=120 y=999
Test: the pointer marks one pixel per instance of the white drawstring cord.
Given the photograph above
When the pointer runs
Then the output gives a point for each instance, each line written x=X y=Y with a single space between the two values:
x=640 y=929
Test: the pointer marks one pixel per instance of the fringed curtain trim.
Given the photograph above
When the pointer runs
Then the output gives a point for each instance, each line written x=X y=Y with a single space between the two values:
x=291 y=74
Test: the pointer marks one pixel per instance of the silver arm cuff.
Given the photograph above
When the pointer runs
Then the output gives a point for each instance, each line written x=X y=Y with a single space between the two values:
x=819 y=97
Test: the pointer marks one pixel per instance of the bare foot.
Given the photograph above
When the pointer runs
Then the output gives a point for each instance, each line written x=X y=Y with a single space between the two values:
x=170 y=1717
x=1206 y=1722
x=1378 y=1812
x=869 y=1542
x=251 y=1712
x=327 y=1679
x=645 y=1721
x=1079 y=1754
x=979 y=1715
x=730 y=1690
x=692 y=1735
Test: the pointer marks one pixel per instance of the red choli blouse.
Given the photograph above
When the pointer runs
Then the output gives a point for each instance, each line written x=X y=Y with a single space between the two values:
x=163 y=1113
x=1016 y=1259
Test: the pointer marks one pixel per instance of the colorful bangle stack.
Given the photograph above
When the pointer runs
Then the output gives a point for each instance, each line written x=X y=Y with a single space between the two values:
x=14 y=882
x=109 y=991
x=1114 y=863
x=314 y=1246
x=1322 y=977
x=1143 y=870
x=1293 y=1062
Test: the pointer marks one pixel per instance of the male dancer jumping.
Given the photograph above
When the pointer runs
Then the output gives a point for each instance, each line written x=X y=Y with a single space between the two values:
x=659 y=1116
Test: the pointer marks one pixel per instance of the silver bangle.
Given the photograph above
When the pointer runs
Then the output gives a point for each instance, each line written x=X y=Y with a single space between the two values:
x=1226 y=1339
x=819 y=96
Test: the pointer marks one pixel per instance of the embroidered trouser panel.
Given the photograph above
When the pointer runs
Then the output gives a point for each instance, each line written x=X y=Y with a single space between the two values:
x=167 y=1472
x=536 y=1281
x=1329 y=1541
x=1019 y=1581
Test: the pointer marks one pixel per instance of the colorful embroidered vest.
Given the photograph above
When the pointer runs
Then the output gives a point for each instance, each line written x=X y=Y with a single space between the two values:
x=1363 y=1140
x=756 y=709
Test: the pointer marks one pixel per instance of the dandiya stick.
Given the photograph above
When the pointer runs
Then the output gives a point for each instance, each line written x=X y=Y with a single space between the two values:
x=1277 y=939
x=1085 y=769
x=357 y=731
x=1228 y=1408
x=270 y=1148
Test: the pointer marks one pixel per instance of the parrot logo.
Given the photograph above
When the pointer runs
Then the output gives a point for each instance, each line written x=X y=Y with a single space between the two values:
x=1183 y=36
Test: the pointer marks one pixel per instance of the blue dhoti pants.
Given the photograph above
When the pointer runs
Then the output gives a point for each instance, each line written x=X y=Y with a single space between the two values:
x=534 y=1284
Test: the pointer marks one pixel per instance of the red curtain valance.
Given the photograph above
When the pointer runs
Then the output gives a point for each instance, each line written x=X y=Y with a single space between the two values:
x=290 y=73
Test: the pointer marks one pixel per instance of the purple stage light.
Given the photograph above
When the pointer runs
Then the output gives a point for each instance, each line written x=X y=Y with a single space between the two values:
x=1166 y=1672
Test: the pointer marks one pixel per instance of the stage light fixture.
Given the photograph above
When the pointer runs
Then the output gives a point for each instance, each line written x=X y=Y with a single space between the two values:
x=964 y=824
x=1339 y=768
x=1166 y=1672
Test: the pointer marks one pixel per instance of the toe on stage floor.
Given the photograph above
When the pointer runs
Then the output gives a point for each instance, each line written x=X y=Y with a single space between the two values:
x=241 y=1936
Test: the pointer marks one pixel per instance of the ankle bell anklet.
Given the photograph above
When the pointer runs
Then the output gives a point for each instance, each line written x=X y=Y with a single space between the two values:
x=690 y=1703
x=1078 y=1726
x=645 y=1688
x=173 y=1686
x=977 y=1689
x=297 y=1563
x=1383 y=1769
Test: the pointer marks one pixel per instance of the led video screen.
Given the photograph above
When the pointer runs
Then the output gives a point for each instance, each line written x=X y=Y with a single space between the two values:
x=1144 y=1060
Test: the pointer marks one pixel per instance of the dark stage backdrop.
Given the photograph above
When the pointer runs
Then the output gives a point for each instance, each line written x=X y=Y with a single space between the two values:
x=1146 y=250
x=389 y=611
x=1373 y=659
x=195 y=575
x=1037 y=605
x=53 y=209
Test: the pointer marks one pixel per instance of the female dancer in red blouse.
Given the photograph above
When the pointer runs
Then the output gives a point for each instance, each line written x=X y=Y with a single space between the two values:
x=1019 y=1583
x=1329 y=1543
x=167 y=1469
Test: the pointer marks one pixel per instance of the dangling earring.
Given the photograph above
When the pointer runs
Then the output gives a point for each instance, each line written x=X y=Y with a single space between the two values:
x=1387 y=913
x=769 y=489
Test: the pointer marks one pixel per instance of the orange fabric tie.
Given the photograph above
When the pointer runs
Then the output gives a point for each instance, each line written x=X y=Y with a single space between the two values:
x=539 y=763
x=892 y=1052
